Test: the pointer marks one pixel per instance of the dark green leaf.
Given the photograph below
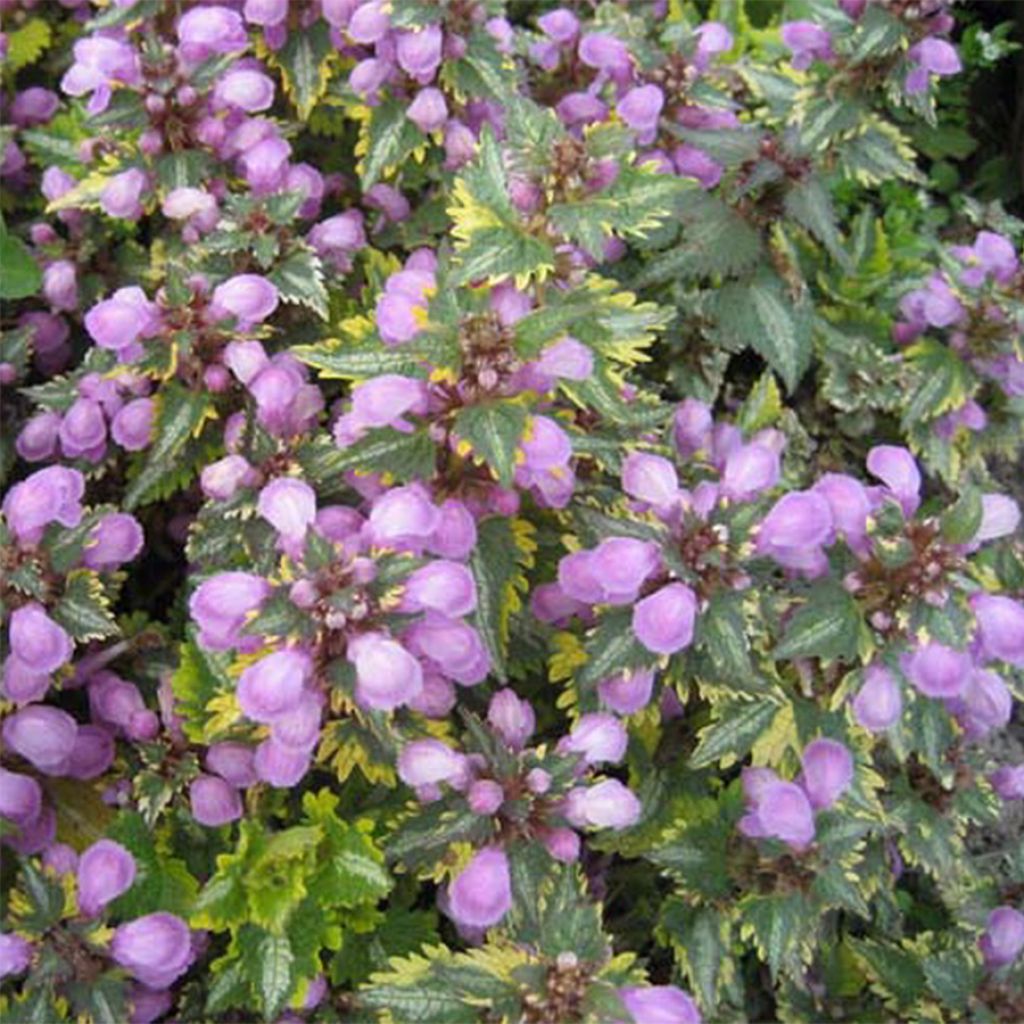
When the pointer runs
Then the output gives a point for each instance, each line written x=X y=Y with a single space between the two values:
x=827 y=626
x=494 y=431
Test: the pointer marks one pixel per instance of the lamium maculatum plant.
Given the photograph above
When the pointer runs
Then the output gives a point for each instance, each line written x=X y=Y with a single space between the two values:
x=511 y=512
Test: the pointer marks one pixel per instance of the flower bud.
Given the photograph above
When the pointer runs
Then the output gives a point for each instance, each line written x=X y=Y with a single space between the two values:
x=213 y=801
x=155 y=949
x=1004 y=937
x=1000 y=627
x=441 y=586
x=387 y=675
x=289 y=505
x=117 y=538
x=664 y=621
x=37 y=641
x=782 y=811
x=937 y=670
x=878 y=704
x=511 y=718
x=609 y=804
x=233 y=762
x=132 y=426
x=896 y=468
x=222 y=604
x=424 y=762
x=51 y=495
x=21 y=797
x=428 y=111
x=15 y=954
x=598 y=738
x=485 y=796
x=280 y=766
x=273 y=685
x=481 y=895
x=650 y=478
x=249 y=298
x=105 y=871
x=827 y=772
x=659 y=1004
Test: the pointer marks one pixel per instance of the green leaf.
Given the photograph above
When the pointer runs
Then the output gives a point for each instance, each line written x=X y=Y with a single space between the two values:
x=184 y=168
x=778 y=924
x=736 y=727
x=345 y=360
x=761 y=314
x=699 y=858
x=20 y=275
x=611 y=648
x=300 y=279
x=952 y=976
x=722 y=632
x=83 y=608
x=762 y=407
x=942 y=382
x=494 y=431
x=809 y=204
x=894 y=969
x=357 y=873
x=201 y=675
x=699 y=936
x=492 y=242
x=25 y=45
x=305 y=63
x=827 y=626
x=961 y=521
x=497 y=565
x=180 y=416
x=274 y=957
x=45 y=899
x=404 y=456
x=390 y=138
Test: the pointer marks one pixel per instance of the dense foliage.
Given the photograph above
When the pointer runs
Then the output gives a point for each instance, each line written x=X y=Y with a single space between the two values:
x=509 y=513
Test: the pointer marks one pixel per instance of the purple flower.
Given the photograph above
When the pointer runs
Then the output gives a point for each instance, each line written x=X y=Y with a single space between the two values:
x=628 y=692
x=1008 y=782
x=930 y=56
x=83 y=430
x=118 y=323
x=214 y=802
x=403 y=518
x=795 y=529
x=750 y=470
x=659 y=1004
x=222 y=604
x=807 y=42
x=481 y=895
x=155 y=949
x=827 y=772
x=712 y=38
x=289 y=505
x=274 y=685
x=428 y=111
x=280 y=766
x=607 y=54
x=233 y=762
x=485 y=796
x=37 y=641
x=384 y=401
x=244 y=89
x=559 y=25
x=663 y=622
x=249 y=298
x=369 y=22
x=651 y=479
x=693 y=162
x=51 y=495
x=105 y=871
x=511 y=718
x=37 y=439
x=221 y=480
x=1000 y=627
x=121 y=196
x=22 y=684
x=780 y=810
x=991 y=255
x=101 y=61
x=878 y=704
x=44 y=736
x=453 y=647
x=92 y=753
x=427 y=762
x=15 y=954
x=441 y=586
x=937 y=670
x=205 y=31
x=1004 y=937
x=598 y=738
x=608 y=804
x=418 y=52
x=265 y=12
x=117 y=538
x=33 y=106
x=691 y=426
x=984 y=705
x=641 y=108
x=387 y=675
x=132 y=426
x=21 y=797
